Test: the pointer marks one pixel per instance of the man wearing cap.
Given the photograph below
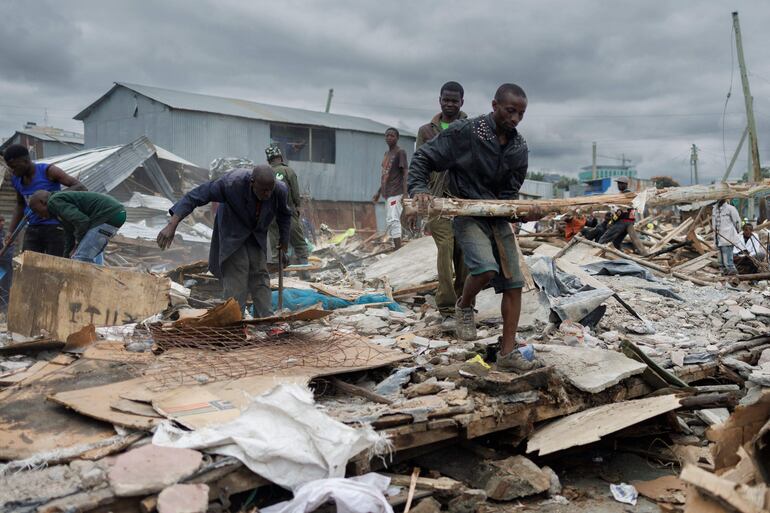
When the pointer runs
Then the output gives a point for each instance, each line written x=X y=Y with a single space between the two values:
x=621 y=220
x=285 y=174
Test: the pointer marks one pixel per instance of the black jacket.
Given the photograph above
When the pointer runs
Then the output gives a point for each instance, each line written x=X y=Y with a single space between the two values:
x=478 y=167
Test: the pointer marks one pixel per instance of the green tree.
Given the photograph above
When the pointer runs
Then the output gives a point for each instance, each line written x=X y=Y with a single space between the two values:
x=662 y=182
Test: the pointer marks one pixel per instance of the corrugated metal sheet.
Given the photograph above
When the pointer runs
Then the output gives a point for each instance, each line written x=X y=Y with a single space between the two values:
x=245 y=109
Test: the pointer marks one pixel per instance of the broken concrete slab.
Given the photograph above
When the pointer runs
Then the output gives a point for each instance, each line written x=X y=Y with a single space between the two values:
x=590 y=370
x=151 y=468
x=590 y=425
x=184 y=498
x=427 y=505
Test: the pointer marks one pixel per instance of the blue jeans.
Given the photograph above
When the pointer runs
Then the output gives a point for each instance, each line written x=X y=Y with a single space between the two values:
x=725 y=256
x=93 y=243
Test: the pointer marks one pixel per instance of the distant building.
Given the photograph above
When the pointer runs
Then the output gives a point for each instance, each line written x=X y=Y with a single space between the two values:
x=45 y=141
x=533 y=189
x=604 y=171
x=337 y=157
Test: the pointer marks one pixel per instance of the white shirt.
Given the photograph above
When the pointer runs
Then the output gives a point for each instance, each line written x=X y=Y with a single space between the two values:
x=753 y=246
x=724 y=221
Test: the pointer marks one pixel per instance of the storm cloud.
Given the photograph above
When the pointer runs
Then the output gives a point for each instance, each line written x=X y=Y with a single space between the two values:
x=645 y=80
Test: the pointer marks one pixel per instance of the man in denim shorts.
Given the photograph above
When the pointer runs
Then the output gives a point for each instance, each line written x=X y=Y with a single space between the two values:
x=485 y=158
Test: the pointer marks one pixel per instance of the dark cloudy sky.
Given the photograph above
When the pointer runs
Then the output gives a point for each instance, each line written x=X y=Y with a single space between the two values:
x=644 y=79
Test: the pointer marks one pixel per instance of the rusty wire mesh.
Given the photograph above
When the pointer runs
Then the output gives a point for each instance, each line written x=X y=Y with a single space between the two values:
x=198 y=355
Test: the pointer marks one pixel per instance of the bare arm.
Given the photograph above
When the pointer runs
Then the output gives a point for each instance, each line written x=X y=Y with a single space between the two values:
x=57 y=174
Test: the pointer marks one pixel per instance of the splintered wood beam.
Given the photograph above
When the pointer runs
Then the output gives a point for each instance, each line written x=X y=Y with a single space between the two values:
x=450 y=207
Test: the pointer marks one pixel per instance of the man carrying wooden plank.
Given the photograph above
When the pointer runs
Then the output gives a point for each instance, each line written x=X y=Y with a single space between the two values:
x=249 y=200
x=484 y=158
x=89 y=220
x=451 y=269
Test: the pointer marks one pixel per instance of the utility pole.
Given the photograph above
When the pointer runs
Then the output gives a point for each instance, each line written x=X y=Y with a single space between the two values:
x=329 y=100
x=593 y=165
x=755 y=174
x=694 y=162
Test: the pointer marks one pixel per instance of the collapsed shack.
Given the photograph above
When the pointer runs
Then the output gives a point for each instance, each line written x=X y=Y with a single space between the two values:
x=131 y=391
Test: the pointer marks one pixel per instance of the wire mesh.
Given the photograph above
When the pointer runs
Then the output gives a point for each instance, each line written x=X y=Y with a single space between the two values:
x=204 y=355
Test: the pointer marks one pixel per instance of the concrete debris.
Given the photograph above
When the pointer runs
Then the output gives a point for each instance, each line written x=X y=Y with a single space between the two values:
x=151 y=468
x=184 y=498
x=673 y=371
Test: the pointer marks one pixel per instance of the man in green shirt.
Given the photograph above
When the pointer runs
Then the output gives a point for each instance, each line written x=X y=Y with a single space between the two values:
x=451 y=268
x=89 y=219
x=287 y=175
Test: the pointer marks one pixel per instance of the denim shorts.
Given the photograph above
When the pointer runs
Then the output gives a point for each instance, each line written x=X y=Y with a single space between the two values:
x=483 y=241
x=93 y=243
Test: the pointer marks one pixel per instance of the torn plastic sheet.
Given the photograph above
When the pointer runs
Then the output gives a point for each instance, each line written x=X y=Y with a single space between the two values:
x=282 y=437
x=579 y=305
x=567 y=295
x=352 y=495
x=620 y=267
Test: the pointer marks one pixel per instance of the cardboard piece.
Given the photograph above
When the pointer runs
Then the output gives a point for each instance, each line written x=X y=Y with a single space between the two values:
x=96 y=402
x=116 y=352
x=589 y=426
x=134 y=408
x=669 y=489
x=66 y=295
x=199 y=406
x=740 y=429
x=226 y=314
x=30 y=424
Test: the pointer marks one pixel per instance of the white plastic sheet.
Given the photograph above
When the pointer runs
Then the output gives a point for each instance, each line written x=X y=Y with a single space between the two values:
x=353 y=495
x=282 y=437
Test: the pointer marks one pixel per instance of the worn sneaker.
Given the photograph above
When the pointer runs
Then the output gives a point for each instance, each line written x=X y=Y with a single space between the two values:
x=465 y=328
x=515 y=362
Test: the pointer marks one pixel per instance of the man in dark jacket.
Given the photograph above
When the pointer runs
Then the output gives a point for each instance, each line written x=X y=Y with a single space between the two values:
x=451 y=269
x=485 y=158
x=248 y=200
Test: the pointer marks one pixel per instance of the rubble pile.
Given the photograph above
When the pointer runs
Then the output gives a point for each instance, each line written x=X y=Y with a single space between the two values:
x=654 y=389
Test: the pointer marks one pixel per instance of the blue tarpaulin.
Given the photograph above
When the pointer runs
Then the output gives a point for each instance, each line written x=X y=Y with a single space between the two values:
x=296 y=299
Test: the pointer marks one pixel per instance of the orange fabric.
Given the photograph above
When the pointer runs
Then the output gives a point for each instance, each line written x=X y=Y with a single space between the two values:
x=574 y=226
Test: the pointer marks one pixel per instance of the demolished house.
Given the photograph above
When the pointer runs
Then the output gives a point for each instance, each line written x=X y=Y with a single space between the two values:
x=131 y=391
x=147 y=179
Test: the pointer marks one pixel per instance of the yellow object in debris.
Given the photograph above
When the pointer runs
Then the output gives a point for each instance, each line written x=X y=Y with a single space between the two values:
x=478 y=359
x=337 y=239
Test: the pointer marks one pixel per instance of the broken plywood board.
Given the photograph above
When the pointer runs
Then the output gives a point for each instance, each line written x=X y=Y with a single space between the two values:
x=96 y=402
x=589 y=426
x=741 y=497
x=78 y=294
x=590 y=370
x=30 y=424
x=412 y=265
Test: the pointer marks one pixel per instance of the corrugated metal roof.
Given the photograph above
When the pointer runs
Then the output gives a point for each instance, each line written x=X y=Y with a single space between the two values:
x=246 y=109
x=64 y=137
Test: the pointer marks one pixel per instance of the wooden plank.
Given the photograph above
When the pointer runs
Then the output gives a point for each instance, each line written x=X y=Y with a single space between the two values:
x=589 y=426
x=697 y=263
x=679 y=230
x=59 y=296
x=746 y=499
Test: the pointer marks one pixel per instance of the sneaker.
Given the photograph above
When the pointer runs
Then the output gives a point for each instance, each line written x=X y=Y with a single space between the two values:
x=515 y=362
x=465 y=328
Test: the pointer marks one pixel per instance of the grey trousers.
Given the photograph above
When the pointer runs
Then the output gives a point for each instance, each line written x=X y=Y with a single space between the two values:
x=244 y=273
